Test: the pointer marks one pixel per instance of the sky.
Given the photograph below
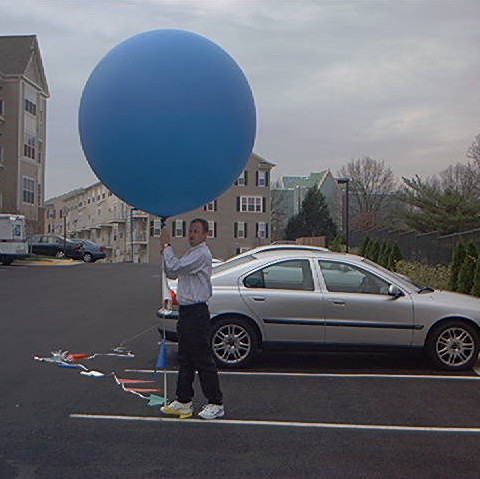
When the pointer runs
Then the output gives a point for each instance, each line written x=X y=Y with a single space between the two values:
x=333 y=81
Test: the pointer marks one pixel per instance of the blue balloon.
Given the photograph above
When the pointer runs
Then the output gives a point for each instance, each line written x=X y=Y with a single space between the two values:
x=167 y=121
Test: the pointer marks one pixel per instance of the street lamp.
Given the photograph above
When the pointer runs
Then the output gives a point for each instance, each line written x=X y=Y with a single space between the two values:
x=346 y=181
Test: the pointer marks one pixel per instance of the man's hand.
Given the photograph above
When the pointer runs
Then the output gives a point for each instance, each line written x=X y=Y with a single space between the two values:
x=164 y=239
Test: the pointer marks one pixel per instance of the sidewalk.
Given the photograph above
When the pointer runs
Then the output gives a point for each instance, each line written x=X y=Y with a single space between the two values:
x=48 y=262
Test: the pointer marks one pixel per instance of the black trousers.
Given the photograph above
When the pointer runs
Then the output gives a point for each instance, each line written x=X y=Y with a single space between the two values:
x=195 y=354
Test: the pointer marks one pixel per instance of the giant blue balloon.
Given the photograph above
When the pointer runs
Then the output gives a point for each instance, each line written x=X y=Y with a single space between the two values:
x=167 y=121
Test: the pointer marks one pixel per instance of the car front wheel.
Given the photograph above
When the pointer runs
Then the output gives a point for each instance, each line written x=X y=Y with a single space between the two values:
x=453 y=345
x=234 y=342
x=60 y=254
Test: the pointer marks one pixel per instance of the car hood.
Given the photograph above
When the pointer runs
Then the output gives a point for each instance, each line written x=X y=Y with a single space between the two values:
x=455 y=302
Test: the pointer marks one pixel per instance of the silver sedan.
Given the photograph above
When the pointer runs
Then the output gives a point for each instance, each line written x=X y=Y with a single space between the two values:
x=310 y=299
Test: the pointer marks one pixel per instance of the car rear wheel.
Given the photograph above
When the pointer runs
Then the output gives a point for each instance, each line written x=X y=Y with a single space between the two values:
x=234 y=342
x=60 y=254
x=453 y=345
x=87 y=257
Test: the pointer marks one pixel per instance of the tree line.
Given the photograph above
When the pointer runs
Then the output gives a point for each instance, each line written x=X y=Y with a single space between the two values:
x=445 y=203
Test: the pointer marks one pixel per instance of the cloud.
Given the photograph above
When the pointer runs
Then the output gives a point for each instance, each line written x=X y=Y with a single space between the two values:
x=332 y=81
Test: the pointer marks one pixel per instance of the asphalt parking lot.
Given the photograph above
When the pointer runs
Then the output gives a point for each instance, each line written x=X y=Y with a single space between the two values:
x=289 y=415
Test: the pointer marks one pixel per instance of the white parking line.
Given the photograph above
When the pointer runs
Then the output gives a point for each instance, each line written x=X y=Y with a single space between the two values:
x=323 y=375
x=317 y=425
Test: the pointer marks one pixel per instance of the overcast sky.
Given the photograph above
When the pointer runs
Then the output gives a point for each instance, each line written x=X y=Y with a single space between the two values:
x=333 y=80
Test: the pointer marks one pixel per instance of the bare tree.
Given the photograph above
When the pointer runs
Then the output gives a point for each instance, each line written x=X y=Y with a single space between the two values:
x=372 y=186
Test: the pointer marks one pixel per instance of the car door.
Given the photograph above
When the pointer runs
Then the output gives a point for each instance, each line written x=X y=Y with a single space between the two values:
x=359 y=310
x=42 y=245
x=284 y=297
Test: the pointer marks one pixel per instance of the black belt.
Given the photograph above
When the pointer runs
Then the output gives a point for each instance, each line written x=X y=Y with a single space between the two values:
x=192 y=306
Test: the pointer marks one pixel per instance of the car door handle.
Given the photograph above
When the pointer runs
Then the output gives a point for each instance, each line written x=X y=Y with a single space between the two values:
x=258 y=298
x=339 y=302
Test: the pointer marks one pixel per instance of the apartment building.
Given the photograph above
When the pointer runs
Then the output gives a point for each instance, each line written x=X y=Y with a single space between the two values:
x=289 y=193
x=239 y=219
x=23 y=104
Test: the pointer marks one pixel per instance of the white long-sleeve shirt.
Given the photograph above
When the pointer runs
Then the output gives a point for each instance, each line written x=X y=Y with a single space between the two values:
x=193 y=271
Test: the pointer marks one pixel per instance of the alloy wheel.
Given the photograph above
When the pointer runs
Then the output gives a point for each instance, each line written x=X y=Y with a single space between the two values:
x=232 y=344
x=455 y=346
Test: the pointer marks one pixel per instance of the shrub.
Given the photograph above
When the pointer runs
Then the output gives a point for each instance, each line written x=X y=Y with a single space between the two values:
x=467 y=271
x=425 y=275
x=457 y=260
x=364 y=246
x=476 y=281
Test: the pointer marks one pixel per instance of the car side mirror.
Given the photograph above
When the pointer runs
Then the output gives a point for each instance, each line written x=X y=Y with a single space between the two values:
x=394 y=291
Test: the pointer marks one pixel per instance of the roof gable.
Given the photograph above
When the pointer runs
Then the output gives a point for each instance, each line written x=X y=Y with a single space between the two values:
x=20 y=55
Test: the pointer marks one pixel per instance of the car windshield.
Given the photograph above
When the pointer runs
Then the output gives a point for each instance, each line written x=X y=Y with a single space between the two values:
x=404 y=280
x=231 y=263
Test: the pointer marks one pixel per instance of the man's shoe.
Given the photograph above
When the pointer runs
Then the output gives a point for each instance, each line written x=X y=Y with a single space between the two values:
x=180 y=409
x=212 y=411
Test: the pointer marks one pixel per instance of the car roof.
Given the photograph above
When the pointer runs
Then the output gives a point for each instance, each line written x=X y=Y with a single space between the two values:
x=278 y=247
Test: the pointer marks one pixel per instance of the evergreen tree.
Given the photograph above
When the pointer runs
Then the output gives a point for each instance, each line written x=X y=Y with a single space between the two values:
x=397 y=253
x=457 y=260
x=337 y=243
x=313 y=218
x=476 y=281
x=439 y=208
x=364 y=246
x=467 y=271
x=374 y=251
x=383 y=254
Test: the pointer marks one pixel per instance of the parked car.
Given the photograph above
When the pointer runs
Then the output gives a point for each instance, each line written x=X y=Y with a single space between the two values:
x=88 y=251
x=53 y=245
x=336 y=301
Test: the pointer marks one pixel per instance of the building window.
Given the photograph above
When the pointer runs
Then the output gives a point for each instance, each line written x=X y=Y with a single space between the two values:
x=262 y=178
x=29 y=146
x=242 y=180
x=262 y=230
x=212 y=206
x=30 y=107
x=251 y=204
x=2 y=107
x=155 y=228
x=1 y=153
x=212 y=229
x=240 y=230
x=178 y=229
x=28 y=190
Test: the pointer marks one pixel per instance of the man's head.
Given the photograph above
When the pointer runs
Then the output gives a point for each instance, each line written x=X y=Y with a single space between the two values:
x=198 y=231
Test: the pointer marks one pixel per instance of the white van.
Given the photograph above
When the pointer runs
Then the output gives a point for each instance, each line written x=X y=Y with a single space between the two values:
x=13 y=242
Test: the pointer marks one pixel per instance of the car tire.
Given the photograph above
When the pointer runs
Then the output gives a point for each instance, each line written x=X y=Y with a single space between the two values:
x=60 y=255
x=234 y=342
x=7 y=262
x=453 y=345
x=87 y=257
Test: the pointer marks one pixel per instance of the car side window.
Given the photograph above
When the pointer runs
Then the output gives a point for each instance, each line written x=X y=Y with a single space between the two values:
x=292 y=274
x=345 y=278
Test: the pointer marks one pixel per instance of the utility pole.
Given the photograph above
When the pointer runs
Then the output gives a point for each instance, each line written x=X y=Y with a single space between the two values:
x=346 y=182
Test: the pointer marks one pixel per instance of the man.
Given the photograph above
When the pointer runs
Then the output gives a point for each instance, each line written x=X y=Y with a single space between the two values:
x=193 y=271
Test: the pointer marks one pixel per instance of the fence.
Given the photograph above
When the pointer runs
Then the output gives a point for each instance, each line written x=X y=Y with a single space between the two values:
x=427 y=248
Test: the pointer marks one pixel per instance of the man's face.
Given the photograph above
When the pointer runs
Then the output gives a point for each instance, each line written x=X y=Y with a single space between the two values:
x=196 y=235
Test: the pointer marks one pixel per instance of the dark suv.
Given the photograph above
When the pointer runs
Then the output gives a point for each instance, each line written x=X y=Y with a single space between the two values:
x=53 y=245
